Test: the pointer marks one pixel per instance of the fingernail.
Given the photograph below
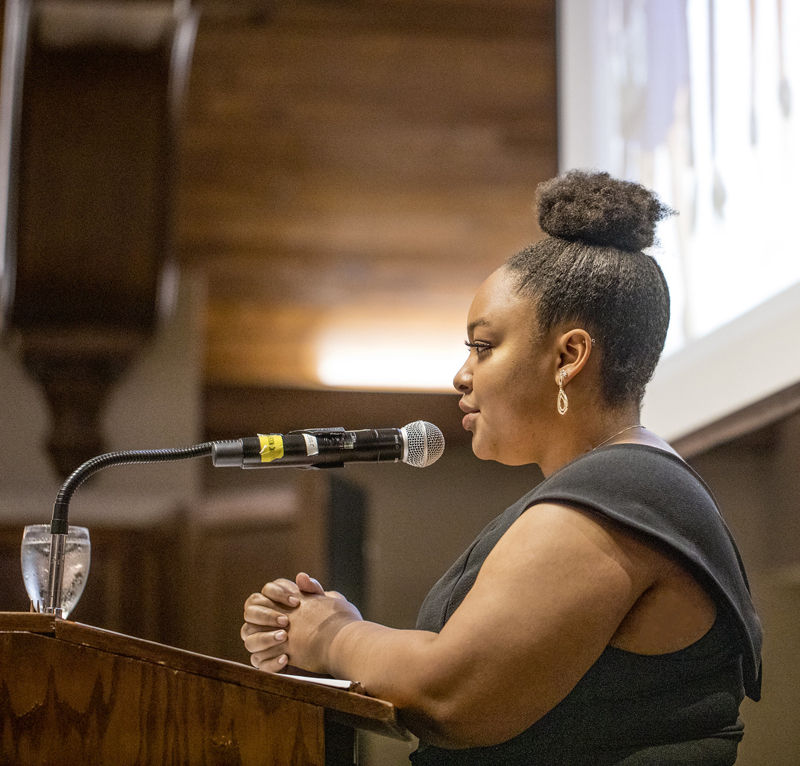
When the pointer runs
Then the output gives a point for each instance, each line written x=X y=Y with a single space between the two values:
x=294 y=601
x=283 y=620
x=282 y=659
x=280 y=635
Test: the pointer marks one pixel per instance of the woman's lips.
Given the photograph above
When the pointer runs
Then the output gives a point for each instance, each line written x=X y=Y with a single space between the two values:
x=470 y=415
x=469 y=419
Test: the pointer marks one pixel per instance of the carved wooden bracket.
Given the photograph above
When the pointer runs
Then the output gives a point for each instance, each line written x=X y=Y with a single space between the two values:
x=76 y=370
x=96 y=94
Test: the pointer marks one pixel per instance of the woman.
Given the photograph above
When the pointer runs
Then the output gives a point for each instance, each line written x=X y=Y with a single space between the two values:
x=605 y=618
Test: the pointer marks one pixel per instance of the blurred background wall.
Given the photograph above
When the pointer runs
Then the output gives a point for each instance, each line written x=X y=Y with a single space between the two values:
x=352 y=170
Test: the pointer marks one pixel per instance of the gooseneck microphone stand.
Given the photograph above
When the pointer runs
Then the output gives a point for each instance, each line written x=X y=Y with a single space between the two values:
x=419 y=444
x=59 y=526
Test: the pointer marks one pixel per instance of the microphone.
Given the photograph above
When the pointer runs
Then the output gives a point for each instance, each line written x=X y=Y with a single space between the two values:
x=419 y=444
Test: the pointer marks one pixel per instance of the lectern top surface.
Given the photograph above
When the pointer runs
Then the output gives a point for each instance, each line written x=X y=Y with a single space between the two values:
x=357 y=709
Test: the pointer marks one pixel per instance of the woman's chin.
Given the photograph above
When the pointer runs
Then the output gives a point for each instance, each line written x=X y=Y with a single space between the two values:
x=486 y=451
x=481 y=450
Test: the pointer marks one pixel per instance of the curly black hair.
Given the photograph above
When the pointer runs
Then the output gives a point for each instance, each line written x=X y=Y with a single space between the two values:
x=591 y=270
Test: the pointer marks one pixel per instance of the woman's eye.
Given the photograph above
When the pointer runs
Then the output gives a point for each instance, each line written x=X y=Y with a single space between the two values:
x=478 y=345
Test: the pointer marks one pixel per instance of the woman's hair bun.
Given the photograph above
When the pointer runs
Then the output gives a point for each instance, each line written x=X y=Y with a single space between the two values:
x=597 y=209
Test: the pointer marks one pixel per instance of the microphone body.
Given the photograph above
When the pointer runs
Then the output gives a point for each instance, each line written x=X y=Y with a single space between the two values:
x=418 y=444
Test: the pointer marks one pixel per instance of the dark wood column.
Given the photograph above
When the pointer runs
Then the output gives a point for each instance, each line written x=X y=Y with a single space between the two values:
x=88 y=258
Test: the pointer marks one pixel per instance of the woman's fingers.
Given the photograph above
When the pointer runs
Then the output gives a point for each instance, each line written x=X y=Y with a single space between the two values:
x=250 y=628
x=282 y=592
x=266 y=648
x=264 y=640
x=268 y=663
x=269 y=607
x=261 y=611
x=266 y=620
x=308 y=584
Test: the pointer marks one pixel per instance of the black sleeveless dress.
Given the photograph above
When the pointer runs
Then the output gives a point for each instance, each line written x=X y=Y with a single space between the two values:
x=672 y=709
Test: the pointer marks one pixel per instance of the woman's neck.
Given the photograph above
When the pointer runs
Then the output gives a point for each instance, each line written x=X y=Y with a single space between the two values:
x=577 y=436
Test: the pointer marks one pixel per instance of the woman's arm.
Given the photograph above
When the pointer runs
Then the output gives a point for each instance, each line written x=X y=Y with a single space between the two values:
x=545 y=604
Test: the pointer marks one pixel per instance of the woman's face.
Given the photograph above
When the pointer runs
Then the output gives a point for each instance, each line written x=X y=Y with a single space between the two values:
x=508 y=381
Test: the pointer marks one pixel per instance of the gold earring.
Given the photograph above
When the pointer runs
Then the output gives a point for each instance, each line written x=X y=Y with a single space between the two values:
x=563 y=402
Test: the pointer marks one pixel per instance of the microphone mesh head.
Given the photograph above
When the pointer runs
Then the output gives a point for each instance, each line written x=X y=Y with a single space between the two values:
x=424 y=443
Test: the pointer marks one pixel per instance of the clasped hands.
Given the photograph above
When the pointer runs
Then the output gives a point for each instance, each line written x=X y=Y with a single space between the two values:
x=294 y=620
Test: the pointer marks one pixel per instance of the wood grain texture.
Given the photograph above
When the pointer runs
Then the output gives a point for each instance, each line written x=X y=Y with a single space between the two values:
x=364 y=143
x=27 y=622
x=100 y=708
x=351 y=707
x=337 y=155
x=332 y=155
x=488 y=17
x=91 y=182
x=179 y=660
x=93 y=697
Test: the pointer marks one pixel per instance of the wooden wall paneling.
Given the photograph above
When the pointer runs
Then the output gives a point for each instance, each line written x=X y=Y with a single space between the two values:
x=236 y=411
x=342 y=153
x=131 y=584
x=13 y=597
x=300 y=136
x=184 y=582
x=237 y=539
x=492 y=17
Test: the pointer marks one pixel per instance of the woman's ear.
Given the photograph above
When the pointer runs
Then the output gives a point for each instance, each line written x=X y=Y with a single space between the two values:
x=574 y=348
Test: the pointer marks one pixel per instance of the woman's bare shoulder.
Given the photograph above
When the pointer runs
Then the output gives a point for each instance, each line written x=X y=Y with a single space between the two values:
x=547 y=601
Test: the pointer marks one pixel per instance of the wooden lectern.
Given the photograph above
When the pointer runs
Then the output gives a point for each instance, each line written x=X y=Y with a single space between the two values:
x=73 y=694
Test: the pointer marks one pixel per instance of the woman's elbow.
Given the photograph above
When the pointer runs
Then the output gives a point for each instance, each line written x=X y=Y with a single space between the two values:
x=458 y=721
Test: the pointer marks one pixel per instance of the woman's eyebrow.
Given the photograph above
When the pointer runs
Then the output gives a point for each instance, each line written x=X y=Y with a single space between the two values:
x=478 y=323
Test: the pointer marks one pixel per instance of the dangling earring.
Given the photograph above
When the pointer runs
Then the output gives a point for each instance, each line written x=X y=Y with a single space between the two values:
x=563 y=402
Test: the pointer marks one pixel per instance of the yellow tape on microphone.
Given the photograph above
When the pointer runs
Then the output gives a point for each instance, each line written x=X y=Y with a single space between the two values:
x=271 y=447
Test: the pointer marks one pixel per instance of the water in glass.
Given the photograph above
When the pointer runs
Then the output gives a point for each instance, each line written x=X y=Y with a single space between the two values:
x=36 y=565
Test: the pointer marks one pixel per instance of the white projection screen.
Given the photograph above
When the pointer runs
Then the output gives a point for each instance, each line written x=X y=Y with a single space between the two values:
x=699 y=100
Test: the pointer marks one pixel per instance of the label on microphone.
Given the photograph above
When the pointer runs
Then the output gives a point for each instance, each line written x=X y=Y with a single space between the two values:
x=312 y=447
x=271 y=447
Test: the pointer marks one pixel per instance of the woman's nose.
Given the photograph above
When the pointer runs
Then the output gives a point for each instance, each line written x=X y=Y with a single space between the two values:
x=463 y=379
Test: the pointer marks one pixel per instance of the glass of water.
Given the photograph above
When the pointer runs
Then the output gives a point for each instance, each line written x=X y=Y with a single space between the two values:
x=36 y=565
